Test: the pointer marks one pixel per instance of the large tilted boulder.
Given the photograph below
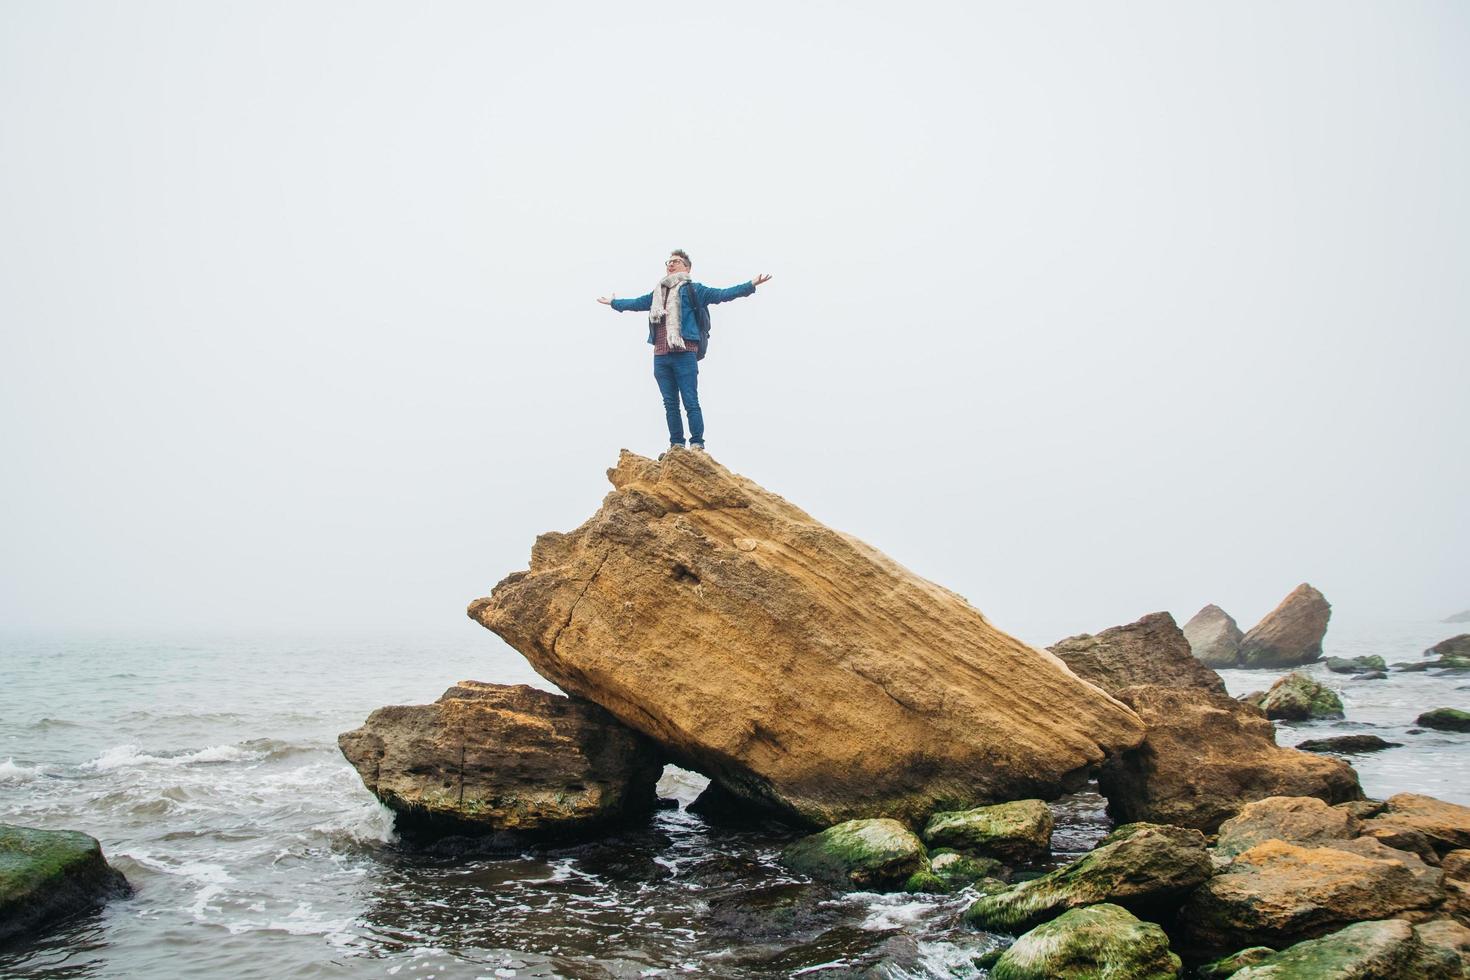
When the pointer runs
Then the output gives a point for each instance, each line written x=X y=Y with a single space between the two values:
x=1291 y=634
x=1141 y=866
x=1086 y=943
x=798 y=667
x=489 y=758
x=1150 y=651
x=47 y=876
x=1205 y=757
x=1388 y=949
x=1276 y=893
x=1214 y=637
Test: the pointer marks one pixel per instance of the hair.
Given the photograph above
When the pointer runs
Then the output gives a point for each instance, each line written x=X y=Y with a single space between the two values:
x=683 y=255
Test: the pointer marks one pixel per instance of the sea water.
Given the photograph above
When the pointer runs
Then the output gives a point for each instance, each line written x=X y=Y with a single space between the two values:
x=208 y=768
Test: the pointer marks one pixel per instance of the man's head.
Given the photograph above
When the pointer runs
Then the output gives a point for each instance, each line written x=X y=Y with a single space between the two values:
x=678 y=261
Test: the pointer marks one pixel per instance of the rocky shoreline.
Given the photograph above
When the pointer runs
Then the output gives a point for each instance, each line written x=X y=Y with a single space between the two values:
x=697 y=619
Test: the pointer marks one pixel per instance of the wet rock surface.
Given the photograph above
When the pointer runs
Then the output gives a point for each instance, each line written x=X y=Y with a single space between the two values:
x=1291 y=634
x=1152 y=650
x=49 y=876
x=1205 y=757
x=489 y=758
x=1097 y=941
x=876 y=854
x=1445 y=720
x=1383 y=950
x=1016 y=833
x=1298 y=697
x=800 y=668
x=1347 y=744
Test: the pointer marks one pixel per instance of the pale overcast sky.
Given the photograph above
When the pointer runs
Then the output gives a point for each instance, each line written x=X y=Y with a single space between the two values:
x=1083 y=310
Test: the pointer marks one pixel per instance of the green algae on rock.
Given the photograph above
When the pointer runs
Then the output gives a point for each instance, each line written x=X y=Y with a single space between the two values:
x=879 y=854
x=1355 y=665
x=1228 y=966
x=1297 y=697
x=1138 y=865
x=1097 y=941
x=1017 y=833
x=1380 y=950
x=1445 y=719
x=50 y=875
x=959 y=870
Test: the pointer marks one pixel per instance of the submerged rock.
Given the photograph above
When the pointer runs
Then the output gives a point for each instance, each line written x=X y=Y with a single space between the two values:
x=1097 y=941
x=1291 y=634
x=795 y=665
x=1205 y=757
x=1017 y=833
x=1347 y=744
x=1303 y=820
x=875 y=854
x=1277 y=893
x=1297 y=697
x=486 y=758
x=1150 y=651
x=1214 y=638
x=1445 y=719
x=1380 y=950
x=1140 y=866
x=47 y=876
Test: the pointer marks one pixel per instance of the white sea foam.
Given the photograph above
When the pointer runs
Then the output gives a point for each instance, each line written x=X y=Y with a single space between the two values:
x=131 y=756
x=13 y=772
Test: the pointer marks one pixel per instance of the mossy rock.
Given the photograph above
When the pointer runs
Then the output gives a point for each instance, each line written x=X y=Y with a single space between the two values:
x=50 y=875
x=959 y=870
x=1093 y=942
x=1139 y=865
x=1355 y=665
x=1017 y=833
x=1297 y=697
x=877 y=854
x=1386 y=949
x=1452 y=663
x=1445 y=719
x=1229 y=965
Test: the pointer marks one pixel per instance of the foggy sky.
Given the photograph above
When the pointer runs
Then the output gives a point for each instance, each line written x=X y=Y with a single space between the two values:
x=1081 y=310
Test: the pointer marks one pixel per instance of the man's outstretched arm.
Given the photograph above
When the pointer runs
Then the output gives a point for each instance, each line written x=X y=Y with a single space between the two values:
x=644 y=303
x=709 y=294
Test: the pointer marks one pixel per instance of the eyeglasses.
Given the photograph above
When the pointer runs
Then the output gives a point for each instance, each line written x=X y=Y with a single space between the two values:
x=674 y=260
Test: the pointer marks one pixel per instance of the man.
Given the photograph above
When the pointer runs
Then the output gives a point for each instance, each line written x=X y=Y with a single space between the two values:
x=676 y=351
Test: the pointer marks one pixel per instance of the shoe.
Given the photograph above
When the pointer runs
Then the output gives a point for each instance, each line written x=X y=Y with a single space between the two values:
x=696 y=447
x=677 y=445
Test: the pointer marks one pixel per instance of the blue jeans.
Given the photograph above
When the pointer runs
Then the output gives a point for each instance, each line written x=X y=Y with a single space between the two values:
x=678 y=377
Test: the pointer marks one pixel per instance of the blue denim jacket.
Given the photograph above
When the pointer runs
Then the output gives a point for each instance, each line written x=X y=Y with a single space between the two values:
x=688 y=326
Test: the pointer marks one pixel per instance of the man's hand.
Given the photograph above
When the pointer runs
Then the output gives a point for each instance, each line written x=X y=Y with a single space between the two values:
x=607 y=300
x=760 y=279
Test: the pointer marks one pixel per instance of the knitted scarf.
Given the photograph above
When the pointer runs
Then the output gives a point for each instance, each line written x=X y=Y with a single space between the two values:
x=665 y=307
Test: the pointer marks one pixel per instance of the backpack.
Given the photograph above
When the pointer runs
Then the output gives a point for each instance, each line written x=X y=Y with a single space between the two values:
x=701 y=317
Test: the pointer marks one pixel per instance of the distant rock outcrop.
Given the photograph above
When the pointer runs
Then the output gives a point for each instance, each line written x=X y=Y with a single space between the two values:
x=1214 y=637
x=1455 y=646
x=1459 y=617
x=489 y=758
x=1291 y=634
x=1205 y=757
x=1150 y=651
x=801 y=669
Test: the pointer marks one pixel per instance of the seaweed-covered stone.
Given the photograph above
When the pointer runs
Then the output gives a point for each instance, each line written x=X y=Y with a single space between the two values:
x=1097 y=941
x=1228 y=966
x=1277 y=893
x=1455 y=664
x=1214 y=637
x=877 y=854
x=1297 y=697
x=1140 y=866
x=1446 y=825
x=1291 y=634
x=1017 y=833
x=1445 y=719
x=1355 y=665
x=1151 y=651
x=1302 y=820
x=1206 y=756
x=495 y=758
x=958 y=870
x=1347 y=744
x=1380 y=950
x=47 y=876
